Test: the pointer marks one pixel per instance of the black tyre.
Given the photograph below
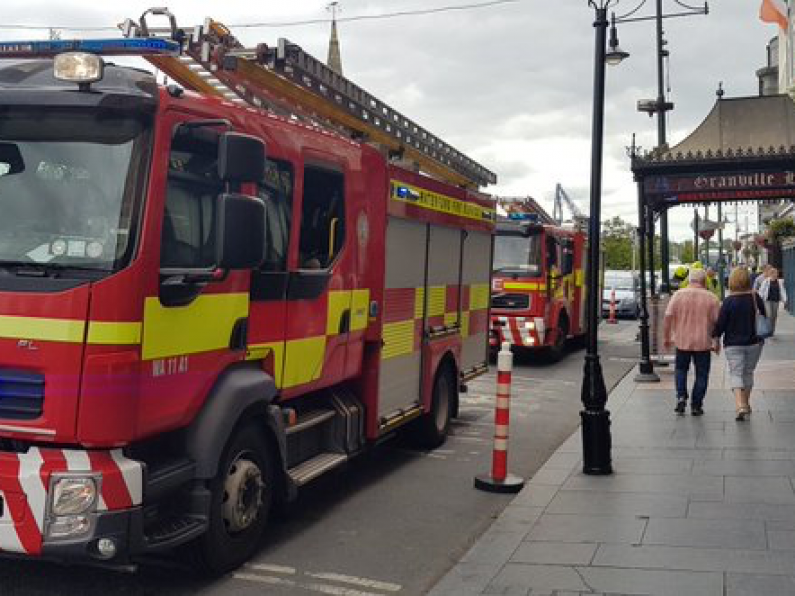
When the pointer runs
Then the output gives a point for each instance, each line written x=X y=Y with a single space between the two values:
x=242 y=497
x=558 y=348
x=431 y=430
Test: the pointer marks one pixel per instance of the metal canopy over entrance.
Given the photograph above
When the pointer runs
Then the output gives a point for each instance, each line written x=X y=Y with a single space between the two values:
x=744 y=150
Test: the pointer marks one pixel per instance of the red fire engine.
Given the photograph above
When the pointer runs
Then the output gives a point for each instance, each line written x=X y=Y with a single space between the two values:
x=538 y=290
x=209 y=299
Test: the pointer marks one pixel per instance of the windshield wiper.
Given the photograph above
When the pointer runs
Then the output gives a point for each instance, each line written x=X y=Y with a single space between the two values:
x=36 y=269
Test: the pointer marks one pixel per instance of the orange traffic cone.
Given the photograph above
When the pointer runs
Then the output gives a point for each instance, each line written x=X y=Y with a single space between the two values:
x=612 y=318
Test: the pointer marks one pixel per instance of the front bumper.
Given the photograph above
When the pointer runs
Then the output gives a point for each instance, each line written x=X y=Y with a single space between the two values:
x=526 y=332
x=26 y=517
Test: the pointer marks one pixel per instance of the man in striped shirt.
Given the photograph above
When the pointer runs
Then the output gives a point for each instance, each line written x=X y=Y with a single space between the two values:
x=689 y=320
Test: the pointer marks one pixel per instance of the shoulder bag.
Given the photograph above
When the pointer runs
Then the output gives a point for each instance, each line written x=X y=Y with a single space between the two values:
x=762 y=324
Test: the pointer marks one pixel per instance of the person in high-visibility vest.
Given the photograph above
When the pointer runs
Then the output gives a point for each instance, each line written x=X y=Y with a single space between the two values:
x=680 y=276
x=712 y=283
x=695 y=266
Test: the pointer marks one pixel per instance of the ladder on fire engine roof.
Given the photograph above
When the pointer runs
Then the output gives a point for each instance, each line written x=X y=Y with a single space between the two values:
x=288 y=81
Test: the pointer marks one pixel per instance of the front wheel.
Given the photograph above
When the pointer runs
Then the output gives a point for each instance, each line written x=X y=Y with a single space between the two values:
x=431 y=429
x=241 y=499
x=557 y=350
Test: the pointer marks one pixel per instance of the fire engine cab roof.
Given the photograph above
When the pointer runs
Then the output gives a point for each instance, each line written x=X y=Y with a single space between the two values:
x=21 y=76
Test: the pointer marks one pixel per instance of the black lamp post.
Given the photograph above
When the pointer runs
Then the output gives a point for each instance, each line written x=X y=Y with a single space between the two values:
x=596 y=440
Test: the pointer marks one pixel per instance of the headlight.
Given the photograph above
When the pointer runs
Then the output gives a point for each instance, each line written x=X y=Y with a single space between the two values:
x=78 y=67
x=529 y=325
x=73 y=496
x=69 y=526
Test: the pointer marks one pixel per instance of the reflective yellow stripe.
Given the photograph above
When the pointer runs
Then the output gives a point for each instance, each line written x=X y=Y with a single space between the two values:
x=419 y=302
x=360 y=306
x=450 y=318
x=437 y=300
x=112 y=333
x=304 y=359
x=465 y=324
x=434 y=201
x=203 y=325
x=578 y=278
x=262 y=351
x=61 y=330
x=514 y=285
x=398 y=339
x=478 y=296
x=338 y=302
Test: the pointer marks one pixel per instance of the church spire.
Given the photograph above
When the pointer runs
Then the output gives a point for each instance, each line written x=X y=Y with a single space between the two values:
x=334 y=60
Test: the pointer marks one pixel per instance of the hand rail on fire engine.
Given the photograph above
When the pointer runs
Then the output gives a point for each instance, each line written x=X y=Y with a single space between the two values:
x=288 y=79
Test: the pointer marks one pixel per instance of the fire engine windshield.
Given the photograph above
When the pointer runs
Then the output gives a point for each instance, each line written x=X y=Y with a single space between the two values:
x=70 y=182
x=518 y=254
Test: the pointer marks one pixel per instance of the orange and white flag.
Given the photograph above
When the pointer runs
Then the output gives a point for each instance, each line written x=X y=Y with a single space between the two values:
x=775 y=11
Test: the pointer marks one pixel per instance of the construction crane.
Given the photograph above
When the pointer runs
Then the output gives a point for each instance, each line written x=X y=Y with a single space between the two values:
x=562 y=197
x=286 y=80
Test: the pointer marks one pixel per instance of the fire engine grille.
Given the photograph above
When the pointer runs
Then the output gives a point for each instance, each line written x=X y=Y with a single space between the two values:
x=510 y=301
x=21 y=395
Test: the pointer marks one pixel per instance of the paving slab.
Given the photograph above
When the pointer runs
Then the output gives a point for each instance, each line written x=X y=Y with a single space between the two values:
x=581 y=528
x=781 y=540
x=738 y=584
x=746 y=489
x=618 y=580
x=761 y=511
x=602 y=503
x=695 y=559
x=554 y=553
x=736 y=533
x=515 y=577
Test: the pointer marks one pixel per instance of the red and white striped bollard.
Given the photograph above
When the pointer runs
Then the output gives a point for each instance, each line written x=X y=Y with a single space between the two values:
x=612 y=319
x=499 y=480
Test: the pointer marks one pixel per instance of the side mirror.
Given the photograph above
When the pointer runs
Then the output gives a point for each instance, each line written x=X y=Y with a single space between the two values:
x=241 y=158
x=241 y=232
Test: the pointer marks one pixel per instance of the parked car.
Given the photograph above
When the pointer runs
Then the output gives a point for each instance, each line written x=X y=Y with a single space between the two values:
x=626 y=285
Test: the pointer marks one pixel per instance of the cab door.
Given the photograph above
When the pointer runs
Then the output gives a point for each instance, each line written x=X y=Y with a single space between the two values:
x=191 y=331
x=318 y=310
x=267 y=331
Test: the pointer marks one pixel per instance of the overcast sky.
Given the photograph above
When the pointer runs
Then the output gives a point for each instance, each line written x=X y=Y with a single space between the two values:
x=510 y=85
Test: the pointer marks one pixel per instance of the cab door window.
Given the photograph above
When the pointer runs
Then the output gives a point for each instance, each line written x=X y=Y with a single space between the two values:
x=276 y=191
x=188 y=235
x=322 y=218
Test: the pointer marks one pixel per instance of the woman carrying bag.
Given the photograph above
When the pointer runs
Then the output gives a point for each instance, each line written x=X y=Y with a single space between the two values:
x=773 y=293
x=743 y=325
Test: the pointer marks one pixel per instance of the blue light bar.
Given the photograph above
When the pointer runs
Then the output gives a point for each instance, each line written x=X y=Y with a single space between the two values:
x=528 y=217
x=107 y=47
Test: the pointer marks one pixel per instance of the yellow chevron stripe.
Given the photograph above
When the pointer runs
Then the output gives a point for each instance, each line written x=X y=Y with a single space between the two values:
x=114 y=333
x=262 y=351
x=304 y=359
x=398 y=339
x=360 y=309
x=437 y=300
x=202 y=326
x=42 y=329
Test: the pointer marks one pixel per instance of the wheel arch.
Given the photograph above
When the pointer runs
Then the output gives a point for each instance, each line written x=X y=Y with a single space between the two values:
x=450 y=362
x=243 y=393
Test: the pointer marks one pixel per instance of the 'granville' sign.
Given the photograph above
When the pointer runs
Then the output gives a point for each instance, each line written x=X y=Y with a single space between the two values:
x=717 y=187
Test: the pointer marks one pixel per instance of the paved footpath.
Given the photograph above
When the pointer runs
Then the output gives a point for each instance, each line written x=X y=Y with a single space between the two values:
x=696 y=506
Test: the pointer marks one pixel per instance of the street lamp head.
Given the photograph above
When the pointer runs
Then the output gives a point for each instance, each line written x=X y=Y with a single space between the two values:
x=602 y=4
x=616 y=55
